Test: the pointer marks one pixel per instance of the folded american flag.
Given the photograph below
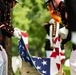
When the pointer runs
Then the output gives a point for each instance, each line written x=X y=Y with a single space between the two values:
x=23 y=50
x=46 y=66
x=40 y=64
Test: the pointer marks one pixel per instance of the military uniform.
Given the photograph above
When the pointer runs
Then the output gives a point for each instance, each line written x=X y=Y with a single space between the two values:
x=5 y=28
x=70 y=22
x=4 y=31
x=51 y=33
x=61 y=8
x=71 y=11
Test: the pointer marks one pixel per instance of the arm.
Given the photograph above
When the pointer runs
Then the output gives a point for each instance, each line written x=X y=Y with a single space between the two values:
x=7 y=30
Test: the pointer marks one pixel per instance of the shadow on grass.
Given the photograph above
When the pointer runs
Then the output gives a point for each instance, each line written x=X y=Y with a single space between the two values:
x=66 y=70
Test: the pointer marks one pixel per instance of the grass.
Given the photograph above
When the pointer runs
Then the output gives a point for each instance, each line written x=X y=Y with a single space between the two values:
x=17 y=73
x=67 y=70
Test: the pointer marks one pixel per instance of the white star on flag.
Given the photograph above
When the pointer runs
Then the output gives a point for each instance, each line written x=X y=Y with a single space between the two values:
x=38 y=67
x=44 y=62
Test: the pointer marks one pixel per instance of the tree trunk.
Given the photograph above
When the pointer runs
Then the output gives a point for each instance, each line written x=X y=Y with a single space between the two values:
x=8 y=44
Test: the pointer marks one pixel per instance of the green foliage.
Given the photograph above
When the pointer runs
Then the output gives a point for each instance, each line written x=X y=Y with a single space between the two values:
x=30 y=16
x=17 y=73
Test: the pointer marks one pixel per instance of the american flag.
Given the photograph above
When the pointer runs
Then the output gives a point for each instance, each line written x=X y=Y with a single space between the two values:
x=24 y=53
x=57 y=56
x=42 y=65
x=45 y=66
x=23 y=49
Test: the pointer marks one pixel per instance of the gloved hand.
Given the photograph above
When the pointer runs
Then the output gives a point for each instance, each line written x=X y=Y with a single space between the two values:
x=63 y=32
x=52 y=21
x=73 y=37
x=17 y=33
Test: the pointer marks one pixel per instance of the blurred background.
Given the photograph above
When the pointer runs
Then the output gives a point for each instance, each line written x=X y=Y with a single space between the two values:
x=30 y=16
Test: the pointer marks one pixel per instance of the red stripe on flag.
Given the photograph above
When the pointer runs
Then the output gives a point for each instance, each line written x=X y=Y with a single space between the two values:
x=54 y=54
x=24 y=34
x=58 y=66
x=26 y=46
x=57 y=51
x=62 y=54
x=62 y=60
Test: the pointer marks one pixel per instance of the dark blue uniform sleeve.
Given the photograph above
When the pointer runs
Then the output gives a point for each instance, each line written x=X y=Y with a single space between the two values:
x=71 y=10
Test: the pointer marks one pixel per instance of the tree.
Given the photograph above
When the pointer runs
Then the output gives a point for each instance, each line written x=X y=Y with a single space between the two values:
x=30 y=15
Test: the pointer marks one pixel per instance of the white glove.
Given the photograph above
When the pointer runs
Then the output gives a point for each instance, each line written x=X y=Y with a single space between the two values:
x=52 y=21
x=63 y=32
x=73 y=38
x=17 y=33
